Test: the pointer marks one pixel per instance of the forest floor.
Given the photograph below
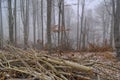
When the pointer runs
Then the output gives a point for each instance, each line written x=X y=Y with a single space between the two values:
x=17 y=64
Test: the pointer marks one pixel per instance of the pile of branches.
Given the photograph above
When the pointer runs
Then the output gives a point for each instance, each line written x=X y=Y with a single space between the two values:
x=31 y=65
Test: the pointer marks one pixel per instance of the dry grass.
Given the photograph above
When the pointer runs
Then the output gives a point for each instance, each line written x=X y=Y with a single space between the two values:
x=96 y=48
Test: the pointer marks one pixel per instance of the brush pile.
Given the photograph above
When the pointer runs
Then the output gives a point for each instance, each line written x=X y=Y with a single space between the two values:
x=18 y=64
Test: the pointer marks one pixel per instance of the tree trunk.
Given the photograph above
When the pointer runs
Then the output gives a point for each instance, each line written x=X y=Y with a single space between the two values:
x=82 y=22
x=15 y=22
x=34 y=20
x=10 y=21
x=84 y=34
x=25 y=20
x=59 y=23
x=1 y=26
x=63 y=33
x=78 y=23
x=49 y=8
x=116 y=26
x=112 y=32
x=26 y=26
x=42 y=23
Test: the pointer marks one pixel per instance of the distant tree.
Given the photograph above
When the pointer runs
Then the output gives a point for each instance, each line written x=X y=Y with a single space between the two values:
x=84 y=34
x=62 y=37
x=109 y=9
x=49 y=9
x=105 y=20
x=34 y=19
x=24 y=4
x=90 y=22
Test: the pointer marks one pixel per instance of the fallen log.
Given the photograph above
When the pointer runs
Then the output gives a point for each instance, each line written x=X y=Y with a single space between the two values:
x=71 y=64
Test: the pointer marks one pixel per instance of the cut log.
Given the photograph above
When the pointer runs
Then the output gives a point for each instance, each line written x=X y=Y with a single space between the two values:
x=71 y=64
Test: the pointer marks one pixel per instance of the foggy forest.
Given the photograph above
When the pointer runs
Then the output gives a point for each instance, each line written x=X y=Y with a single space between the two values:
x=59 y=39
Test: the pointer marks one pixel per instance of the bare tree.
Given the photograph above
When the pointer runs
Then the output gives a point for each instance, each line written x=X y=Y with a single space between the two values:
x=78 y=23
x=82 y=23
x=105 y=20
x=109 y=10
x=49 y=9
x=84 y=34
x=42 y=23
x=15 y=21
x=112 y=25
x=116 y=13
x=63 y=33
x=62 y=37
x=10 y=17
x=53 y=34
x=1 y=26
x=25 y=20
x=34 y=19
x=59 y=21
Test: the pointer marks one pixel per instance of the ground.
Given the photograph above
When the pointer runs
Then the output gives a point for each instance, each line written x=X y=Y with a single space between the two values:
x=17 y=64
